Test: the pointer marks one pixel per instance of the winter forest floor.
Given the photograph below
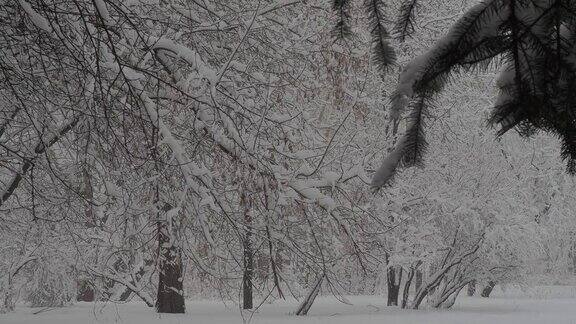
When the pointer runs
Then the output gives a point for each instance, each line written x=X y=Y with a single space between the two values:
x=552 y=305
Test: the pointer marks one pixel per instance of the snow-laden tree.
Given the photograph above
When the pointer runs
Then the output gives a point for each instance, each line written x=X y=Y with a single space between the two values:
x=172 y=149
x=468 y=168
x=191 y=126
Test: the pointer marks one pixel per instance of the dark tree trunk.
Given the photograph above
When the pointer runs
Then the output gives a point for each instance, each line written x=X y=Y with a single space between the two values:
x=471 y=288
x=247 y=298
x=306 y=304
x=248 y=273
x=488 y=289
x=394 y=280
x=406 y=291
x=451 y=300
x=125 y=295
x=170 y=297
x=418 y=280
x=170 y=294
x=85 y=291
x=9 y=303
x=419 y=298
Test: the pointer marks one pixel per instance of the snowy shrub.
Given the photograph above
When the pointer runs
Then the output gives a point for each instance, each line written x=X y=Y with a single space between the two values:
x=49 y=286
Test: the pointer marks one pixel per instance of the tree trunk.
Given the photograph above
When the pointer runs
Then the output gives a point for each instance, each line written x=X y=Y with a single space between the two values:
x=406 y=291
x=248 y=272
x=8 y=304
x=170 y=297
x=304 y=307
x=488 y=289
x=418 y=279
x=449 y=302
x=471 y=288
x=420 y=295
x=394 y=280
x=85 y=291
x=247 y=297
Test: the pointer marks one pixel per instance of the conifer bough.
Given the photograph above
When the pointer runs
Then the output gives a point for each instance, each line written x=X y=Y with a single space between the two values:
x=535 y=40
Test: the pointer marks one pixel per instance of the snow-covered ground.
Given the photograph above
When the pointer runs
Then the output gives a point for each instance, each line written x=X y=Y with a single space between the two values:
x=551 y=305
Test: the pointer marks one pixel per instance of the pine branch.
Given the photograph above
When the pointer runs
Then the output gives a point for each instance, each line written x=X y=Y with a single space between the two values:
x=410 y=149
x=471 y=38
x=342 y=28
x=415 y=145
x=404 y=26
x=382 y=52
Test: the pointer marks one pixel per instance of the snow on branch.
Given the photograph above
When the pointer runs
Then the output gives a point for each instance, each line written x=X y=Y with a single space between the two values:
x=190 y=169
x=40 y=148
x=231 y=145
x=35 y=17
x=187 y=54
x=127 y=283
x=474 y=38
x=192 y=172
x=102 y=11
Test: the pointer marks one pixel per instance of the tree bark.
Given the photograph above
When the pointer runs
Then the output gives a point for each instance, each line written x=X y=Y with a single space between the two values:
x=394 y=281
x=85 y=291
x=248 y=302
x=420 y=295
x=418 y=280
x=8 y=304
x=471 y=288
x=488 y=289
x=170 y=297
x=28 y=163
x=306 y=304
x=406 y=291
x=449 y=302
x=247 y=298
